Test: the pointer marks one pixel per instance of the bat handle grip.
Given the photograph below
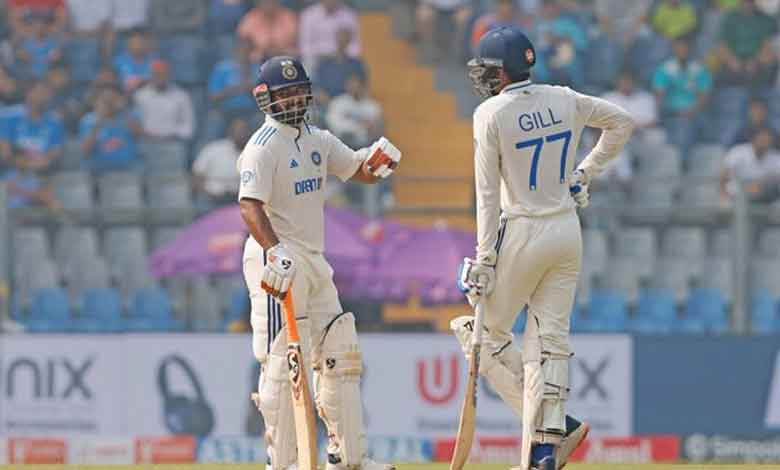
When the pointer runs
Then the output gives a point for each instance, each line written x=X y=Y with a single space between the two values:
x=478 y=320
x=289 y=317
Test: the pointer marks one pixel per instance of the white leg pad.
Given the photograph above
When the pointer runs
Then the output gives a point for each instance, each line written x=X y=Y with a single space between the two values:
x=338 y=367
x=500 y=364
x=274 y=399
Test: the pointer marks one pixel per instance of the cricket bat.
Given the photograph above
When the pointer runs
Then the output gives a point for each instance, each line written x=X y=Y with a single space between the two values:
x=468 y=412
x=303 y=408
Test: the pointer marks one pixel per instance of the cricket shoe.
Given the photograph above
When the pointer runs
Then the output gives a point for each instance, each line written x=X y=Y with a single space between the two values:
x=334 y=463
x=543 y=457
x=576 y=432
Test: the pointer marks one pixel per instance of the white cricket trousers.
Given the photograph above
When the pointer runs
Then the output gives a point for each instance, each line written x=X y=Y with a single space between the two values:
x=314 y=296
x=538 y=265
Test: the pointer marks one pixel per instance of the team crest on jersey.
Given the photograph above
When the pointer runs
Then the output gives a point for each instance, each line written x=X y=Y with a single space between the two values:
x=293 y=163
x=529 y=55
x=247 y=176
x=288 y=70
x=316 y=158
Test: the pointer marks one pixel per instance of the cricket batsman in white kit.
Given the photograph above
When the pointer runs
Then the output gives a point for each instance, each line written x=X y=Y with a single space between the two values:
x=283 y=171
x=529 y=245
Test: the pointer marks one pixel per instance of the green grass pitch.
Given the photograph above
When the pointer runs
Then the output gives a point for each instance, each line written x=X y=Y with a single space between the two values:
x=399 y=466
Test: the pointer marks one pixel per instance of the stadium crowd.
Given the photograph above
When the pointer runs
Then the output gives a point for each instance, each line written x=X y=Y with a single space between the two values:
x=119 y=105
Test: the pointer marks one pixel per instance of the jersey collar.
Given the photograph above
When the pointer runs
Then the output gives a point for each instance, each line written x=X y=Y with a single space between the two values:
x=517 y=86
x=287 y=131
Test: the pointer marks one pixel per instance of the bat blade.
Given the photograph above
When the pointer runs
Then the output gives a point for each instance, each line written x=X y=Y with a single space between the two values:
x=303 y=409
x=468 y=414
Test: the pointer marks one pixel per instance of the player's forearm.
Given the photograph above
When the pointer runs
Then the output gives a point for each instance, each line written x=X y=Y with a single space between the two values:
x=613 y=138
x=257 y=222
x=364 y=175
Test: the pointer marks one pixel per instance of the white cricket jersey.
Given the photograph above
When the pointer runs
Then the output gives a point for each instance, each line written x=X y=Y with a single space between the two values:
x=526 y=140
x=286 y=168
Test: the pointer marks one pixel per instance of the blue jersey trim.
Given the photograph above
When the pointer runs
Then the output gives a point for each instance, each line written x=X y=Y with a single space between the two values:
x=517 y=87
x=268 y=136
x=261 y=134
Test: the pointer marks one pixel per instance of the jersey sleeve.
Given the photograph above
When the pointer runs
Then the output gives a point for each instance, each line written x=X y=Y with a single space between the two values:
x=487 y=174
x=342 y=160
x=256 y=169
x=616 y=125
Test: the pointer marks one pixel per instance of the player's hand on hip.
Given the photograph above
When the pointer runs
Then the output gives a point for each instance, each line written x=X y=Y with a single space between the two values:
x=578 y=187
x=383 y=158
x=279 y=271
x=476 y=279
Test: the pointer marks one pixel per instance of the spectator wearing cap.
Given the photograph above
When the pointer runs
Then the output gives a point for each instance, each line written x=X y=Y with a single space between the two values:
x=37 y=51
x=215 y=178
x=19 y=12
x=320 y=25
x=271 y=29
x=135 y=64
x=333 y=71
x=745 y=51
x=755 y=164
x=166 y=116
x=107 y=134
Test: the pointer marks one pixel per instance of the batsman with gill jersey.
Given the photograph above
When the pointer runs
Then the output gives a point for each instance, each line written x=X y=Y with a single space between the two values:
x=529 y=244
x=283 y=171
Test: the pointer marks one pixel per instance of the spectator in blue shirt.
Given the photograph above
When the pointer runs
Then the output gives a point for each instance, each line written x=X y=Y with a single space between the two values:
x=135 y=64
x=37 y=52
x=231 y=83
x=32 y=137
x=66 y=99
x=334 y=71
x=682 y=87
x=108 y=135
x=28 y=189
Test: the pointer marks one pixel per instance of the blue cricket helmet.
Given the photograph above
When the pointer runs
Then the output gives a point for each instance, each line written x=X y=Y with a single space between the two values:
x=279 y=73
x=504 y=48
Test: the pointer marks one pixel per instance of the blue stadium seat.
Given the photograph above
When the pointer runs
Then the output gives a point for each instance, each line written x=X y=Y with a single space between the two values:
x=607 y=310
x=709 y=305
x=656 y=312
x=764 y=313
x=49 y=311
x=151 y=311
x=101 y=311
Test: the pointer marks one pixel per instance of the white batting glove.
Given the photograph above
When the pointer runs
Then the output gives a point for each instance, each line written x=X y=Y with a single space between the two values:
x=383 y=158
x=279 y=271
x=476 y=279
x=578 y=188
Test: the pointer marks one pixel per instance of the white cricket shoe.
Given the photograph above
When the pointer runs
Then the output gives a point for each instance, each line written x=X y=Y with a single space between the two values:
x=570 y=443
x=366 y=464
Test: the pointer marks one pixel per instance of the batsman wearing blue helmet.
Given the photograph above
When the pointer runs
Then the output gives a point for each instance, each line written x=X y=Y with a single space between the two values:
x=283 y=170
x=529 y=245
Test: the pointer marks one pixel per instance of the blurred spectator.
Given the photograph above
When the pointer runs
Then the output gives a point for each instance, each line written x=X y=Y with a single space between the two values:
x=561 y=64
x=231 y=82
x=106 y=77
x=320 y=25
x=66 y=99
x=639 y=103
x=20 y=10
x=503 y=13
x=26 y=189
x=107 y=134
x=135 y=65
x=32 y=137
x=214 y=170
x=355 y=117
x=674 y=18
x=682 y=86
x=37 y=51
x=623 y=21
x=224 y=15
x=757 y=117
x=768 y=7
x=126 y=18
x=745 y=52
x=10 y=92
x=271 y=29
x=333 y=71
x=89 y=18
x=165 y=109
x=167 y=121
x=427 y=15
x=755 y=164
x=176 y=16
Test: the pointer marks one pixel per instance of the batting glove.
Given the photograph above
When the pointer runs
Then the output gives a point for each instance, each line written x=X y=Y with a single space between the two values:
x=279 y=271
x=578 y=188
x=384 y=158
x=476 y=279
